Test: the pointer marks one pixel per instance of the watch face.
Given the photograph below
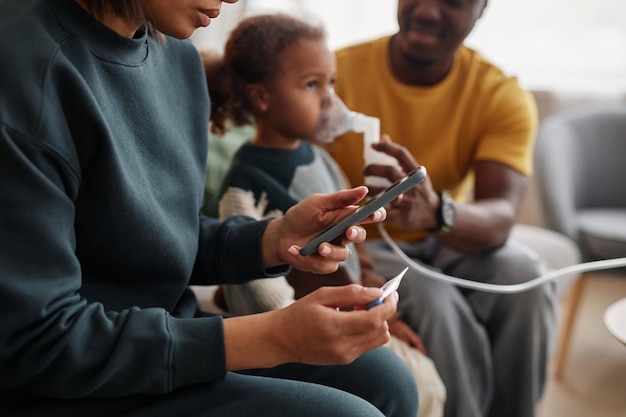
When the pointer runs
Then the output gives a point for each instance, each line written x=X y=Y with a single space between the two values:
x=448 y=214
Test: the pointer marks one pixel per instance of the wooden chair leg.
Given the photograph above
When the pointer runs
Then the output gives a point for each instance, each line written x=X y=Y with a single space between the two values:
x=572 y=302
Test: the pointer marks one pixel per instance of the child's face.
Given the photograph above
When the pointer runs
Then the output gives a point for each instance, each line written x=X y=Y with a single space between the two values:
x=299 y=90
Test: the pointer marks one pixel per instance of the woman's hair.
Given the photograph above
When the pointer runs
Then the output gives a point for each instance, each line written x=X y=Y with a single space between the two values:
x=124 y=9
x=121 y=8
x=252 y=55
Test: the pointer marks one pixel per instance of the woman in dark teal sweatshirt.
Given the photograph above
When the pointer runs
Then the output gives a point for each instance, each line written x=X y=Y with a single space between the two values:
x=103 y=127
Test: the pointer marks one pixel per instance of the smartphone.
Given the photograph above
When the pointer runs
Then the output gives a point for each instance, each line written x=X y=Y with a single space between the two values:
x=389 y=288
x=390 y=193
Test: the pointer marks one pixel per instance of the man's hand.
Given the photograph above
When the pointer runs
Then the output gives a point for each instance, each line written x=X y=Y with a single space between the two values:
x=417 y=209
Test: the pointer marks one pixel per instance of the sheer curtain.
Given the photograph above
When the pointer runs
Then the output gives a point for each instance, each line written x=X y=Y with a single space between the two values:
x=556 y=45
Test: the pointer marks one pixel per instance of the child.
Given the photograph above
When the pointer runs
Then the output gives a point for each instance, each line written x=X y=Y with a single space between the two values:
x=277 y=72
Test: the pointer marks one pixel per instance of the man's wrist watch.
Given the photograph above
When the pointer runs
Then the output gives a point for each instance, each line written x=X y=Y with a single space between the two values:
x=446 y=213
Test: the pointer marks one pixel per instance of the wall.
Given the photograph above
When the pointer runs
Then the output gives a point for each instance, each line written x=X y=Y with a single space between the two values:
x=554 y=45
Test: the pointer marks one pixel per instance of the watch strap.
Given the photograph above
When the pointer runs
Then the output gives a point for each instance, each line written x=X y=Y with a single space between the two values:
x=444 y=204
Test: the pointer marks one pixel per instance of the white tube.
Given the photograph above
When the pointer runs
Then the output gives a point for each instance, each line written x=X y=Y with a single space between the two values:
x=500 y=288
x=370 y=127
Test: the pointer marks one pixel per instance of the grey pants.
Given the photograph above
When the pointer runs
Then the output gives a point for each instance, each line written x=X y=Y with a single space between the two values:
x=491 y=350
x=377 y=384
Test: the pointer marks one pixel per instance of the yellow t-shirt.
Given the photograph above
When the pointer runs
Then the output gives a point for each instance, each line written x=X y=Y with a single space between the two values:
x=475 y=113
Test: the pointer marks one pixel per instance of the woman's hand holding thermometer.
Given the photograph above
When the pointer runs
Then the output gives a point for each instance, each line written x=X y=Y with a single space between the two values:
x=390 y=287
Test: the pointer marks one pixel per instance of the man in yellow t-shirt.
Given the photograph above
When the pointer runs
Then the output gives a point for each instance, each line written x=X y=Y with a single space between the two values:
x=473 y=128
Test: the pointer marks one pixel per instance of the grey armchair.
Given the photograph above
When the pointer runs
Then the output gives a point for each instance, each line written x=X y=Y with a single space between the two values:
x=581 y=179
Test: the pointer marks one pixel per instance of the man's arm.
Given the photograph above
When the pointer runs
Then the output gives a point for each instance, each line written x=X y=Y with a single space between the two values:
x=485 y=222
x=480 y=225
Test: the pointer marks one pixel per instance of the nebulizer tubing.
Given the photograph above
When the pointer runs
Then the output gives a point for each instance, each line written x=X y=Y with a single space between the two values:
x=500 y=288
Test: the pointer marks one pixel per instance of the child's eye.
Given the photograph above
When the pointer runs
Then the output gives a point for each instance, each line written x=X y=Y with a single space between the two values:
x=311 y=85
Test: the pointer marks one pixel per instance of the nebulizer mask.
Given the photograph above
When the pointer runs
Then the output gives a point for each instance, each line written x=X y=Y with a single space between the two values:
x=336 y=119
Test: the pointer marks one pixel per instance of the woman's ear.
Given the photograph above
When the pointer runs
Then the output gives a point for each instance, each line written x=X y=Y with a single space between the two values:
x=259 y=97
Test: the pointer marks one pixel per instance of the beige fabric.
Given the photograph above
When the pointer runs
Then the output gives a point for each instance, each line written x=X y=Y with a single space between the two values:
x=263 y=294
x=432 y=392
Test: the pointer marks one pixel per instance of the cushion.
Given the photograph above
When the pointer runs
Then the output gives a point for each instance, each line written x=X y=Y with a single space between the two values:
x=603 y=232
x=558 y=250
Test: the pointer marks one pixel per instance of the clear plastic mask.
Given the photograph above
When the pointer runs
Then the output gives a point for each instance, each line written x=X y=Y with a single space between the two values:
x=335 y=118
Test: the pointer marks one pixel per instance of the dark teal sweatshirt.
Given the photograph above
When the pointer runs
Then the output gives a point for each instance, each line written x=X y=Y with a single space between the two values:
x=103 y=143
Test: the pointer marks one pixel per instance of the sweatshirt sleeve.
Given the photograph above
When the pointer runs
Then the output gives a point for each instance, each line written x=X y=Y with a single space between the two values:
x=53 y=341
x=229 y=252
x=237 y=248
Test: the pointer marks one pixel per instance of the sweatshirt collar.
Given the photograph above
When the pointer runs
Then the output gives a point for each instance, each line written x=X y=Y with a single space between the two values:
x=101 y=41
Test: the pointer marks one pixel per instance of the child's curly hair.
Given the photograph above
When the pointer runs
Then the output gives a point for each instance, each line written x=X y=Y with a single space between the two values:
x=252 y=55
